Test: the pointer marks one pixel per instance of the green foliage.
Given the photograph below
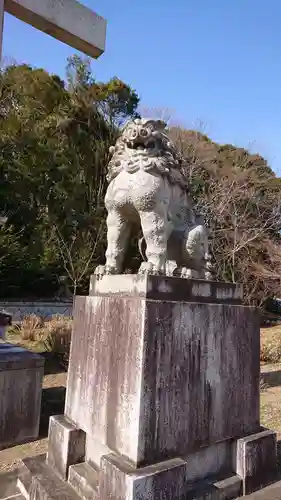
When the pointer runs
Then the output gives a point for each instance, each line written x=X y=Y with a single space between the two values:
x=54 y=141
x=240 y=197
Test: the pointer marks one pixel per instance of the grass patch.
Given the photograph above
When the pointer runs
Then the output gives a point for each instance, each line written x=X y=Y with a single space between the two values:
x=271 y=344
x=44 y=335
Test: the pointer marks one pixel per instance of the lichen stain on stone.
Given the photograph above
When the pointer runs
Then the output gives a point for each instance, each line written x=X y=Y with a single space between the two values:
x=164 y=287
x=225 y=293
x=203 y=289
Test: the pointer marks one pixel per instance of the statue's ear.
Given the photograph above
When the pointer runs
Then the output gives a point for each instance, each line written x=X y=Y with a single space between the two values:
x=161 y=125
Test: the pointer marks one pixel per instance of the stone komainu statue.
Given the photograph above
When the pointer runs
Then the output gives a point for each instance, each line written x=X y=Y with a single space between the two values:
x=147 y=187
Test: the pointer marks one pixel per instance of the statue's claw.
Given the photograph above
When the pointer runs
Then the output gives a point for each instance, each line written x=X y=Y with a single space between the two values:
x=153 y=269
x=187 y=273
x=101 y=271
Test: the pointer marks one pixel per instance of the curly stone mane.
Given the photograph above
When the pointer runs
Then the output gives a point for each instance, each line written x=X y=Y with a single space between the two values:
x=144 y=145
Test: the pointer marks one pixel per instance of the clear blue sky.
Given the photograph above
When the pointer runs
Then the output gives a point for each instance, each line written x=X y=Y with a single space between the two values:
x=211 y=61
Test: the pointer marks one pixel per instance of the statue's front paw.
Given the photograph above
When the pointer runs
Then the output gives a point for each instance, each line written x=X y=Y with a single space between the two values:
x=189 y=273
x=209 y=276
x=152 y=268
x=101 y=271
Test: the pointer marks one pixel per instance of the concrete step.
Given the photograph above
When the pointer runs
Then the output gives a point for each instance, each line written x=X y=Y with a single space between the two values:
x=25 y=477
x=39 y=481
x=85 y=481
x=8 y=485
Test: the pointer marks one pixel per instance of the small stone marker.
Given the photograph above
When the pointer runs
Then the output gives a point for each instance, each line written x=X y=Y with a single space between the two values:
x=21 y=374
x=5 y=321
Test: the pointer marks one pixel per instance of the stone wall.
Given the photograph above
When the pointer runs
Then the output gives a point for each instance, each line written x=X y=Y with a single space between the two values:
x=20 y=309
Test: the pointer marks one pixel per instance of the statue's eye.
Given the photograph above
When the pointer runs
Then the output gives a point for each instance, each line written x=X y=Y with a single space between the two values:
x=144 y=132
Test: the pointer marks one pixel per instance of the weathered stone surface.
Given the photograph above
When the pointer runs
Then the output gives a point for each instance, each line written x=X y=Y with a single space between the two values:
x=95 y=449
x=31 y=467
x=271 y=492
x=85 y=481
x=13 y=357
x=255 y=460
x=66 y=445
x=8 y=484
x=147 y=189
x=51 y=487
x=21 y=374
x=43 y=483
x=24 y=483
x=210 y=460
x=154 y=380
x=67 y=20
x=166 y=288
x=118 y=480
x=160 y=397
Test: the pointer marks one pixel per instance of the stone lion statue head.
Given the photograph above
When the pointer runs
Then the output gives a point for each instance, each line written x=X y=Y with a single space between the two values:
x=145 y=145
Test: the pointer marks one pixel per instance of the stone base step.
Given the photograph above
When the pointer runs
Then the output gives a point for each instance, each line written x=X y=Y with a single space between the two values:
x=38 y=481
x=271 y=492
x=24 y=481
x=227 y=488
x=85 y=480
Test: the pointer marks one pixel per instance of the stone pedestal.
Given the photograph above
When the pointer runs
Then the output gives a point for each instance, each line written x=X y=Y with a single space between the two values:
x=163 y=393
x=21 y=374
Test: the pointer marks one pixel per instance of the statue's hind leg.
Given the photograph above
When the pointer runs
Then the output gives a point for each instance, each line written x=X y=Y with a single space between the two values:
x=195 y=248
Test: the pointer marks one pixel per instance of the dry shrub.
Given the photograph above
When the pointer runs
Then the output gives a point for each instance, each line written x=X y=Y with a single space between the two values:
x=30 y=328
x=271 y=344
x=57 y=337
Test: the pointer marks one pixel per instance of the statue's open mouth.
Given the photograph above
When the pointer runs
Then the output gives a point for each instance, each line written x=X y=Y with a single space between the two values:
x=141 y=146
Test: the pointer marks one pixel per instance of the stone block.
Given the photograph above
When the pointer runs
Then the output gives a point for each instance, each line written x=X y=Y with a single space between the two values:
x=31 y=467
x=67 y=20
x=207 y=461
x=66 y=445
x=43 y=482
x=165 y=288
x=118 y=480
x=154 y=378
x=255 y=460
x=50 y=487
x=94 y=451
x=21 y=374
x=84 y=480
x=8 y=485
